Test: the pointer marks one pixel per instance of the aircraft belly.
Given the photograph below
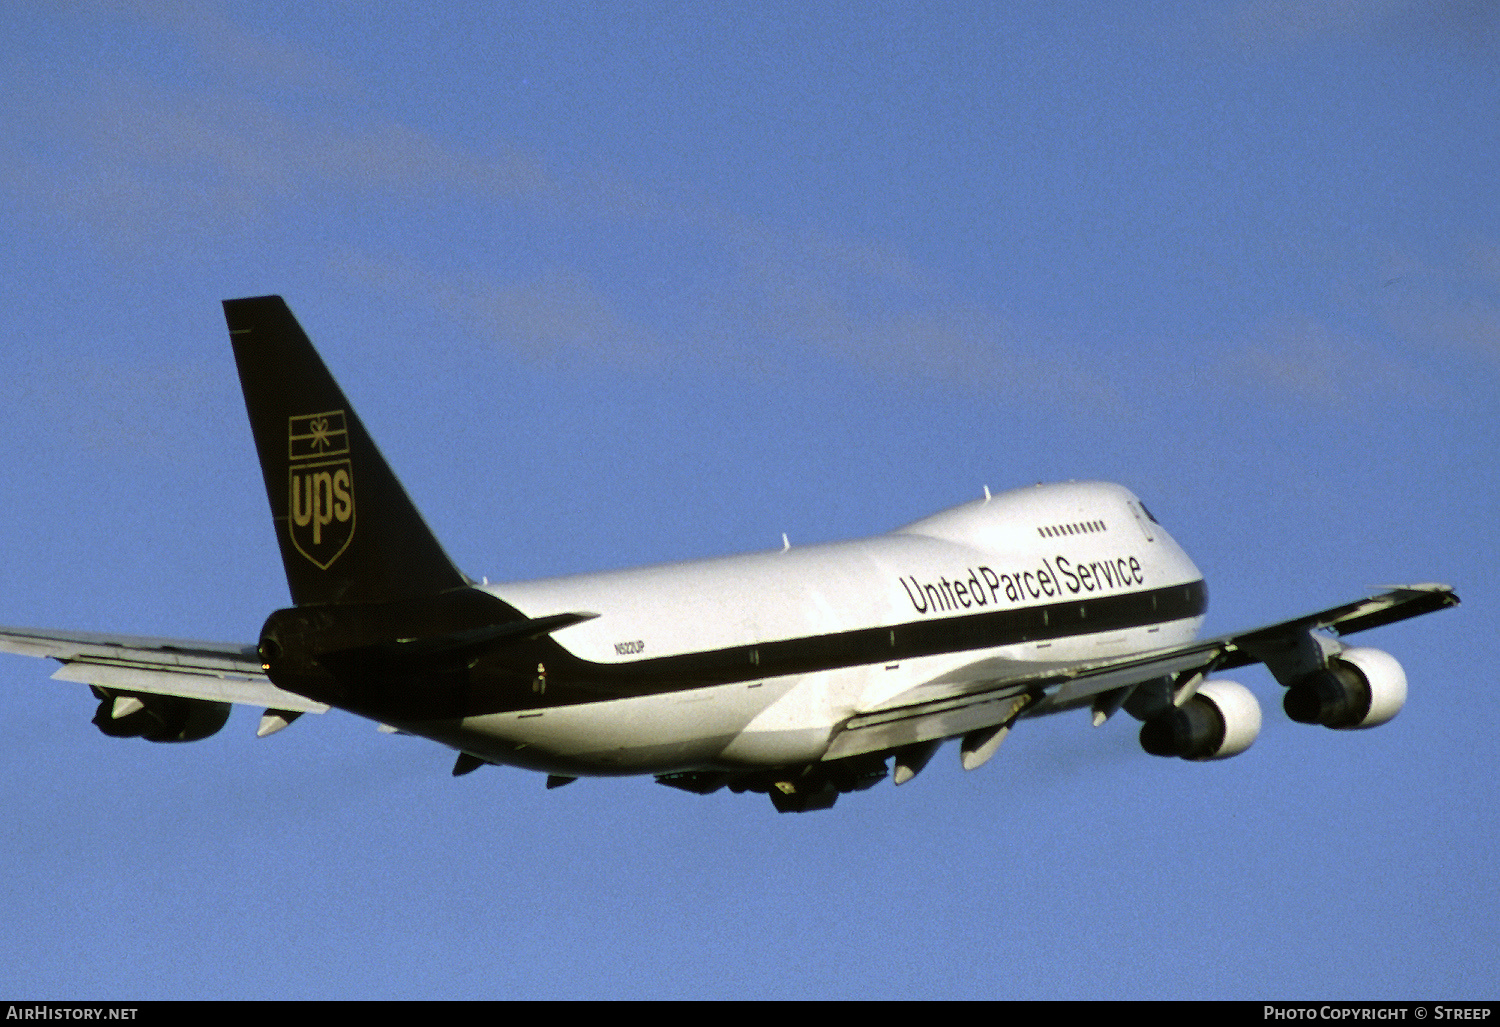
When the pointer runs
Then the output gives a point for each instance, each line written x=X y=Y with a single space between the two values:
x=798 y=726
x=645 y=734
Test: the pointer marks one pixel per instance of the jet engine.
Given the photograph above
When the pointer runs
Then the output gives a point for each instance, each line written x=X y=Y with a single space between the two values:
x=1359 y=688
x=158 y=718
x=1220 y=721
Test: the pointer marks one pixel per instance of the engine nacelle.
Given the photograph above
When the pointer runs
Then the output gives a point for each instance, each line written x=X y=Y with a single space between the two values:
x=160 y=718
x=1220 y=721
x=1359 y=688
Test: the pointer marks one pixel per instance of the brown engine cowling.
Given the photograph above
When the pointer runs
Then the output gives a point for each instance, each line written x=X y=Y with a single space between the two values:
x=158 y=718
x=1359 y=688
x=1221 y=720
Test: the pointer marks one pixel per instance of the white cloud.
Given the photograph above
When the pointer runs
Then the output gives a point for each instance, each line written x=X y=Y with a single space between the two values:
x=1302 y=357
x=1451 y=24
x=159 y=170
x=1447 y=307
x=250 y=58
x=1295 y=21
x=552 y=316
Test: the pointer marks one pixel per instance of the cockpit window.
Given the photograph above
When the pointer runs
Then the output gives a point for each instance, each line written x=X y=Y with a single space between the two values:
x=1150 y=514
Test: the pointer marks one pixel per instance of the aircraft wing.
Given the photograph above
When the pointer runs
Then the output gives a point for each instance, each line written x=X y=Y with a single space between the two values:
x=214 y=671
x=992 y=692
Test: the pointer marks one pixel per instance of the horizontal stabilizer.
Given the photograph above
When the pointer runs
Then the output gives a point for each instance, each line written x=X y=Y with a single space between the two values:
x=429 y=649
x=479 y=638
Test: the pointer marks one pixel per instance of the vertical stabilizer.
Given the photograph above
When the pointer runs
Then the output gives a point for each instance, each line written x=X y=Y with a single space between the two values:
x=347 y=530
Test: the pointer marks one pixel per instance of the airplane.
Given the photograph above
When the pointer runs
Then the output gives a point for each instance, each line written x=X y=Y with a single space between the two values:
x=800 y=673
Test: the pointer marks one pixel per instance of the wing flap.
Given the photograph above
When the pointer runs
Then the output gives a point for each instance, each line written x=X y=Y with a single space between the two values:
x=217 y=688
x=927 y=722
x=71 y=645
x=990 y=703
x=215 y=671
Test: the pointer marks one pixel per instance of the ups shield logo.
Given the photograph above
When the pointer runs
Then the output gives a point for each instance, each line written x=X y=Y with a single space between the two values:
x=321 y=508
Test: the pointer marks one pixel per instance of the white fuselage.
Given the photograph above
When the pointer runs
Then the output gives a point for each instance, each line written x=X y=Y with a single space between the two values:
x=1032 y=547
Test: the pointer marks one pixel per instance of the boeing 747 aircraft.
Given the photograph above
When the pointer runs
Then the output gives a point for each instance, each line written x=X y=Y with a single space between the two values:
x=800 y=673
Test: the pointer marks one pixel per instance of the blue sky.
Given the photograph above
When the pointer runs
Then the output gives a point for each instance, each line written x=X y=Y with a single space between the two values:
x=648 y=282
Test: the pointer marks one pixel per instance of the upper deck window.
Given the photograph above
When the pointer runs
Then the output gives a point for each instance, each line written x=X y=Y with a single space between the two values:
x=1076 y=528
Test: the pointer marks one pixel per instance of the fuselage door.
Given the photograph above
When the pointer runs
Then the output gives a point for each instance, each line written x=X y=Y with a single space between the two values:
x=1143 y=520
